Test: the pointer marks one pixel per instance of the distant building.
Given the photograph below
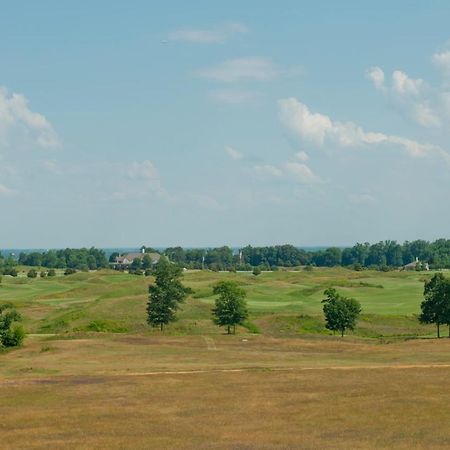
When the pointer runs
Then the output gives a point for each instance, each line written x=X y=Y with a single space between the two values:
x=413 y=265
x=124 y=261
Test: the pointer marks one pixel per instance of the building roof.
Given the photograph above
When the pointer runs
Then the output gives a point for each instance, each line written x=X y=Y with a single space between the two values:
x=130 y=257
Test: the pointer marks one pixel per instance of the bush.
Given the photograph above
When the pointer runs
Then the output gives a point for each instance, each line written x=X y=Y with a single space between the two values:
x=308 y=268
x=69 y=271
x=43 y=274
x=148 y=272
x=32 y=273
x=256 y=271
x=51 y=273
x=13 y=337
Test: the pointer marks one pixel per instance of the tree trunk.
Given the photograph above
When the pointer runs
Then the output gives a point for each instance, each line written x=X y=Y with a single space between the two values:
x=228 y=329
x=449 y=330
x=342 y=332
x=162 y=326
x=438 y=330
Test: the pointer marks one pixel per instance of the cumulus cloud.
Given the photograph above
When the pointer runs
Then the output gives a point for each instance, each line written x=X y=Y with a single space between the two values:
x=413 y=97
x=208 y=36
x=253 y=68
x=376 y=75
x=321 y=130
x=301 y=172
x=15 y=115
x=441 y=60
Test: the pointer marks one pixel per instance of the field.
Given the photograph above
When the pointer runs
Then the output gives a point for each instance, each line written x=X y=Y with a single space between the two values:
x=92 y=374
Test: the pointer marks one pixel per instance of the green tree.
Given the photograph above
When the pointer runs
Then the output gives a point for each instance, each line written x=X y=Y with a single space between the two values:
x=341 y=313
x=136 y=264
x=11 y=334
x=436 y=304
x=146 y=262
x=230 y=307
x=165 y=294
x=256 y=271
x=32 y=273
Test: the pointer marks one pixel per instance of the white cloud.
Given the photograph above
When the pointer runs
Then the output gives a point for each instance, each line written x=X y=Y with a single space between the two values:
x=302 y=156
x=208 y=36
x=376 y=75
x=16 y=115
x=301 y=172
x=233 y=70
x=402 y=84
x=321 y=129
x=442 y=61
x=232 y=96
x=268 y=170
x=234 y=154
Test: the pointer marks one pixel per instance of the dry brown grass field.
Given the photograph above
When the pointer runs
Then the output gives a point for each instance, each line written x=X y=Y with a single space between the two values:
x=92 y=375
x=238 y=392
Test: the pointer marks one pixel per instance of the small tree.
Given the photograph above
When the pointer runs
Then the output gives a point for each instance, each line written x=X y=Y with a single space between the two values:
x=165 y=294
x=32 y=273
x=256 y=271
x=136 y=264
x=436 y=304
x=146 y=262
x=340 y=312
x=11 y=334
x=52 y=273
x=230 y=308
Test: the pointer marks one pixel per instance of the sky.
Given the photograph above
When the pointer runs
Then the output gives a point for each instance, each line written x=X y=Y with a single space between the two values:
x=223 y=123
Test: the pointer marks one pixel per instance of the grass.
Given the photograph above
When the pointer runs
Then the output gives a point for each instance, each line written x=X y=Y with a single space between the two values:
x=92 y=374
x=109 y=301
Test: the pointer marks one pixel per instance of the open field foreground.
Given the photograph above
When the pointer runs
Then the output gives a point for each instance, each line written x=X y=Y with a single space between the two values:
x=239 y=392
x=92 y=374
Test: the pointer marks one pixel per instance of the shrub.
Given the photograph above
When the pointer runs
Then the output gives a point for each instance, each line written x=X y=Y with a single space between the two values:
x=69 y=271
x=51 y=273
x=32 y=273
x=256 y=271
x=43 y=274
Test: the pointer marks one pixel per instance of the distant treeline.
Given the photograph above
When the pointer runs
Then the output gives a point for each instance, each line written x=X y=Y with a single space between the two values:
x=71 y=258
x=382 y=255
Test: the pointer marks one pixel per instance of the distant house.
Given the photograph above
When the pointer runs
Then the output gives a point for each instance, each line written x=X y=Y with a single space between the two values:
x=413 y=265
x=125 y=261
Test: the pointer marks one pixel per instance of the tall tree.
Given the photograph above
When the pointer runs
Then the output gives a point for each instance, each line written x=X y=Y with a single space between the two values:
x=230 y=307
x=436 y=304
x=165 y=294
x=341 y=313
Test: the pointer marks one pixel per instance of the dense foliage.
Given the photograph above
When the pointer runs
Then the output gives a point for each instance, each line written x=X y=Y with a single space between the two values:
x=341 y=313
x=71 y=258
x=11 y=334
x=386 y=254
x=436 y=304
x=165 y=294
x=230 y=308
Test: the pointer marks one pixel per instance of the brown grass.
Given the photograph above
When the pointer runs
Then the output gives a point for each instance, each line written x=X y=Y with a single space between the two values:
x=141 y=392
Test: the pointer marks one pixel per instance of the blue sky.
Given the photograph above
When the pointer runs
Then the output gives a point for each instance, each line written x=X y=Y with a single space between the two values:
x=208 y=123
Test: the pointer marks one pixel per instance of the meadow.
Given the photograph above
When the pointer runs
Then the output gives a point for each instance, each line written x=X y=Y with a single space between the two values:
x=92 y=374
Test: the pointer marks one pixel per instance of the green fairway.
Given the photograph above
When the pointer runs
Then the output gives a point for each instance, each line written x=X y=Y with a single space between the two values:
x=280 y=302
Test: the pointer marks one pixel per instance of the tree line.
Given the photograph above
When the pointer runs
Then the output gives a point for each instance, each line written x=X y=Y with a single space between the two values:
x=382 y=255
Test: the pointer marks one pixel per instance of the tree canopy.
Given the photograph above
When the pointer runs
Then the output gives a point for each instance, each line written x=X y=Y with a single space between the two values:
x=436 y=304
x=11 y=335
x=165 y=294
x=341 y=313
x=230 y=307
